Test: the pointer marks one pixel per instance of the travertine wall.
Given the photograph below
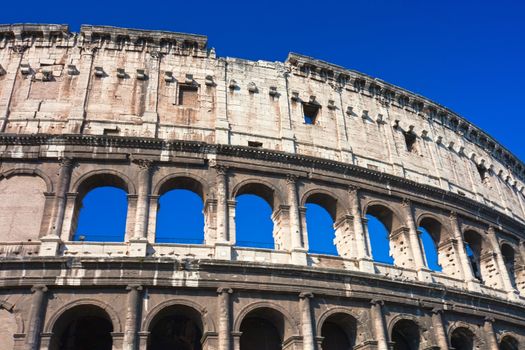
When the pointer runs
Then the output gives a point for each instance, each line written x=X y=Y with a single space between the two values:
x=150 y=111
x=114 y=81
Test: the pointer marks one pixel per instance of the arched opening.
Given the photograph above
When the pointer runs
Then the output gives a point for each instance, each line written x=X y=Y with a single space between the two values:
x=22 y=204
x=176 y=327
x=83 y=327
x=254 y=226
x=380 y=223
x=8 y=329
x=262 y=329
x=430 y=235
x=180 y=212
x=509 y=343
x=473 y=247
x=339 y=332
x=320 y=217
x=509 y=259
x=462 y=339
x=101 y=209
x=405 y=335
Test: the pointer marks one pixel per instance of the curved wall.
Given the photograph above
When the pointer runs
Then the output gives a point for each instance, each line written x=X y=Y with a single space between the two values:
x=149 y=111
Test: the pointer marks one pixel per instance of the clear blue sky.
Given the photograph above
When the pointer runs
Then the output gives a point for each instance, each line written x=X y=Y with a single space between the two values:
x=466 y=55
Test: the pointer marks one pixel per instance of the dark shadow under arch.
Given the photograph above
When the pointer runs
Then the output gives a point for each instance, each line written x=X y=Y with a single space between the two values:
x=509 y=343
x=339 y=332
x=262 y=329
x=405 y=335
x=83 y=327
x=462 y=338
x=176 y=327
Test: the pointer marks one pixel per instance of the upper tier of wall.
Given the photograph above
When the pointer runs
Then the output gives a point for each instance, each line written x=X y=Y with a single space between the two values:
x=126 y=82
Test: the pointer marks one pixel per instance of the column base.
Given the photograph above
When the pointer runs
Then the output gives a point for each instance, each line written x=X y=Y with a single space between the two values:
x=474 y=286
x=223 y=251
x=367 y=266
x=425 y=275
x=299 y=257
x=367 y=345
x=49 y=246
x=138 y=247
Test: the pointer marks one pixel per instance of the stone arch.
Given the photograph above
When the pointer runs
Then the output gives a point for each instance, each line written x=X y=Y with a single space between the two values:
x=362 y=333
x=328 y=200
x=208 y=324
x=264 y=189
x=24 y=210
x=12 y=323
x=385 y=212
x=112 y=314
x=512 y=260
x=509 y=341
x=91 y=179
x=441 y=236
x=414 y=335
x=461 y=326
x=481 y=259
x=190 y=182
x=291 y=326
x=30 y=172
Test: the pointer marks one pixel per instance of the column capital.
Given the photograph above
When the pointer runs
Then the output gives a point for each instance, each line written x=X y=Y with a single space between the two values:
x=39 y=288
x=224 y=290
x=407 y=202
x=453 y=215
x=136 y=287
x=377 y=302
x=144 y=164
x=221 y=169
x=291 y=179
x=306 y=295
x=489 y=319
x=353 y=189
x=491 y=230
x=65 y=162
x=437 y=311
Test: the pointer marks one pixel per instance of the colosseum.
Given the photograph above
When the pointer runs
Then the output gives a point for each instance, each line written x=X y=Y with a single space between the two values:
x=148 y=112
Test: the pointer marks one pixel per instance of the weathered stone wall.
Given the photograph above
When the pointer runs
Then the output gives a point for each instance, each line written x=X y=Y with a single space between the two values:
x=148 y=112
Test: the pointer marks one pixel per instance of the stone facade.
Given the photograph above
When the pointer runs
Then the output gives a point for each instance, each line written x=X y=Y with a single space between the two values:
x=150 y=111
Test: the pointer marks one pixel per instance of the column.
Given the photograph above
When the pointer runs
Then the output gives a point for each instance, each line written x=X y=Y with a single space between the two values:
x=439 y=329
x=222 y=245
x=133 y=310
x=376 y=313
x=10 y=78
x=306 y=320
x=224 y=318
x=502 y=267
x=468 y=276
x=150 y=116
x=361 y=240
x=415 y=244
x=36 y=317
x=138 y=246
x=51 y=242
x=297 y=247
x=76 y=120
x=490 y=335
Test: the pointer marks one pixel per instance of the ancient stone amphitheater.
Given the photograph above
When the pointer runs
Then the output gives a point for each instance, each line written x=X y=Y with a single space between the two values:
x=151 y=111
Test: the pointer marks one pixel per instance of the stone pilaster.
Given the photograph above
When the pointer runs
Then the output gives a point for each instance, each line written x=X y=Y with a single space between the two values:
x=297 y=246
x=51 y=242
x=415 y=243
x=439 y=329
x=77 y=117
x=36 y=317
x=224 y=318
x=468 y=275
x=378 y=324
x=222 y=244
x=361 y=240
x=306 y=321
x=10 y=83
x=502 y=267
x=133 y=311
x=490 y=335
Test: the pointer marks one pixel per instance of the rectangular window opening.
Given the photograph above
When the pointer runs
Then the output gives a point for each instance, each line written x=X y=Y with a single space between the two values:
x=310 y=112
x=188 y=95
x=255 y=144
